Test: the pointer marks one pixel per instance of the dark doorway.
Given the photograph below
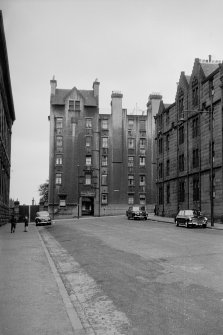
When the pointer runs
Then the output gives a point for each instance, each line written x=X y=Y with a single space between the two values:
x=87 y=206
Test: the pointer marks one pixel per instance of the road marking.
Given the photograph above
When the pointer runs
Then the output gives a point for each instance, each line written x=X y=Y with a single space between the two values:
x=98 y=314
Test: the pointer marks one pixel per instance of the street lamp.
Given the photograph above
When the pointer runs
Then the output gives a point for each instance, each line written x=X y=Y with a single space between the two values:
x=78 y=195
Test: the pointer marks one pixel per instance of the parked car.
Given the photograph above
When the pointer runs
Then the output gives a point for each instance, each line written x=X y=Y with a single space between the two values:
x=42 y=218
x=136 y=212
x=191 y=218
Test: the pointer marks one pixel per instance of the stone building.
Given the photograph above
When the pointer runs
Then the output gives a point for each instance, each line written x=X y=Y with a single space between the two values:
x=99 y=163
x=189 y=144
x=7 y=117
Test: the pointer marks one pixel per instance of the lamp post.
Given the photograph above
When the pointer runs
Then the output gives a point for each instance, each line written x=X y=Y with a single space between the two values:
x=78 y=195
x=211 y=126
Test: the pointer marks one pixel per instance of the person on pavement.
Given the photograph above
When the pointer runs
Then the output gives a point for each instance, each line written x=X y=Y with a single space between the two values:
x=13 y=224
x=26 y=223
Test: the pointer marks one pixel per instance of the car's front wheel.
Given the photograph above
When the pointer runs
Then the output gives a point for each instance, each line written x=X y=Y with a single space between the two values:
x=177 y=224
x=187 y=224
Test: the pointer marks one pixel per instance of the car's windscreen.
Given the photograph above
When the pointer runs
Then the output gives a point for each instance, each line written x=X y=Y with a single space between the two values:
x=188 y=213
x=135 y=208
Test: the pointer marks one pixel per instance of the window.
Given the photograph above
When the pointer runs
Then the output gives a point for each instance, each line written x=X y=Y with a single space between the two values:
x=130 y=124
x=181 y=135
x=160 y=170
x=59 y=122
x=104 y=142
x=167 y=142
x=104 y=199
x=59 y=125
x=195 y=128
x=88 y=160
x=195 y=158
x=59 y=141
x=88 y=141
x=142 y=133
x=168 y=167
x=160 y=145
x=168 y=193
x=130 y=200
x=142 y=199
x=104 y=160
x=142 y=143
x=77 y=105
x=181 y=191
x=130 y=180
x=104 y=124
x=130 y=161
x=58 y=178
x=196 y=189
x=88 y=123
x=181 y=106
x=59 y=160
x=87 y=179
x=71 y=105
x=181 y=162
x=195 y=92
x=104 y=179
x=142 y=180
x=160 y=195
x=142 y=161
x=142 y=125
x=131 y=143
x=62 y=203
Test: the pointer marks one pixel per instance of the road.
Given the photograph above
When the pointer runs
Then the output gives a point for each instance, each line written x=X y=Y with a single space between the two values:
x=141 y=277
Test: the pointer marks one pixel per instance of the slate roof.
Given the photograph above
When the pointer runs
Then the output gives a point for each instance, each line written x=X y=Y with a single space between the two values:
x=208 y=68
x=187 y=78
x=61 y=94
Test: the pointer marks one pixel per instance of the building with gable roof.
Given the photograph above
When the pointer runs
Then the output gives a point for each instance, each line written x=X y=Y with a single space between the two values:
x=7 y=117
x=99 y=163
x=189 y=144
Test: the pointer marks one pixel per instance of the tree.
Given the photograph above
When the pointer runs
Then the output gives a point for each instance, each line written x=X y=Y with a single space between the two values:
x=43 y=191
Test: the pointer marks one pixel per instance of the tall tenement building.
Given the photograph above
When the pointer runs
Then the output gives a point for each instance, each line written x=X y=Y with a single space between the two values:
x=99 y=163
x=190 y=144
x=7 y=117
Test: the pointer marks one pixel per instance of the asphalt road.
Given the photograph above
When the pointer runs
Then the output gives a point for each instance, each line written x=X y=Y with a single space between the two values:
x=164 y=279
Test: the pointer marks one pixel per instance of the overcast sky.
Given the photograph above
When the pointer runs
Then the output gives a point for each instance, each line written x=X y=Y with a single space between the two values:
x=135 y=46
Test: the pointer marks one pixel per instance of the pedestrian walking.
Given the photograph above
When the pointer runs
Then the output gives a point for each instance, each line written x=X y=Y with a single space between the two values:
x=13 y=224
x=26 y=223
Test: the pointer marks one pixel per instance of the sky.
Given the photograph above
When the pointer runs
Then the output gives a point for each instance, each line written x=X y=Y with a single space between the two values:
x=137 y=47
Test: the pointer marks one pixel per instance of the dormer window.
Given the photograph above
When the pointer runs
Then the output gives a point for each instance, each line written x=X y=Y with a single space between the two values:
x=71 y=105
x=77 y=105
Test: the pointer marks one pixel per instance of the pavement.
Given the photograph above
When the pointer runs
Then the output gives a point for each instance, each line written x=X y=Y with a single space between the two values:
x=33 y=299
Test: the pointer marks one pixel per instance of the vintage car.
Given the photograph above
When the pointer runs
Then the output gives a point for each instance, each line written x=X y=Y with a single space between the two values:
x=191 y=218
x=136 y=212
x=42 y=218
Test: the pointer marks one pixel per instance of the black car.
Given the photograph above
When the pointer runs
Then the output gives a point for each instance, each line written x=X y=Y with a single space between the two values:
x=136 y=212
x=42 y=218
x=191 y=218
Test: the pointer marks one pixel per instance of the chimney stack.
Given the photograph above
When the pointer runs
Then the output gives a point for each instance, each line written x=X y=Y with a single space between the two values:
x=53 y=84
x=96 y=84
